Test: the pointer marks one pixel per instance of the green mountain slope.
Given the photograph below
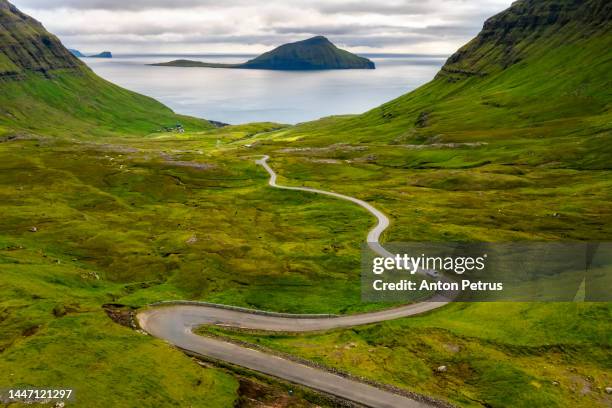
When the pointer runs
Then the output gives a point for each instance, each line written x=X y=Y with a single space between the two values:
x=509 y=37
x=538 y=69
x=25 y=46
x=45 y=89
x=317 y=53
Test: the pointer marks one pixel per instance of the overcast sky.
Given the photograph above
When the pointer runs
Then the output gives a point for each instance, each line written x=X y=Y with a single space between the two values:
x=252 y=26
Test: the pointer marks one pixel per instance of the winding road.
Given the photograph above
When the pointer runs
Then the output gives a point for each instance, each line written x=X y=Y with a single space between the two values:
x=175 y=324
x=373 y=239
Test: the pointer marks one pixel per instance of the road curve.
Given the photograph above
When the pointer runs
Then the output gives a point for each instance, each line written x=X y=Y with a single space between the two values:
x=373 y=239
x=176 y=323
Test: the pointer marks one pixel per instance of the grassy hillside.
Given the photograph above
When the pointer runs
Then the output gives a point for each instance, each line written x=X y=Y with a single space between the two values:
x=54 y=332
x=25 y=46
x=44 y=89
x=81 y=104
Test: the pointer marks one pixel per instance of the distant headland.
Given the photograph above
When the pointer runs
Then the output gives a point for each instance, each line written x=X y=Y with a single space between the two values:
x=79 y=54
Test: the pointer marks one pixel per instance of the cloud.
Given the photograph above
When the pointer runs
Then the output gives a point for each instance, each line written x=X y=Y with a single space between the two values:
x=236 y=26
x=394 y=8
x=340 y=29
x=123 y=5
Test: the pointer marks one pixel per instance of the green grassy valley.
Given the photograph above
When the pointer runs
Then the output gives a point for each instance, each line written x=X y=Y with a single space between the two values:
x=103 y=204
x=131 y=225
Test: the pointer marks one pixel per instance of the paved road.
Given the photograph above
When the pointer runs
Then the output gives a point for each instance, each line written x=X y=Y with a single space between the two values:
x=175 y=324
x=373 y=239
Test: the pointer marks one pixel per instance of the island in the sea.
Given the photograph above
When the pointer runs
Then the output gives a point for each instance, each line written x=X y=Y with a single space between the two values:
x=105 y=54
x=317 y=53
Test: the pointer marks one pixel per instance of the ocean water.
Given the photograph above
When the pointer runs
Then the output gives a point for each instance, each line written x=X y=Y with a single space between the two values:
x=240 y=95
